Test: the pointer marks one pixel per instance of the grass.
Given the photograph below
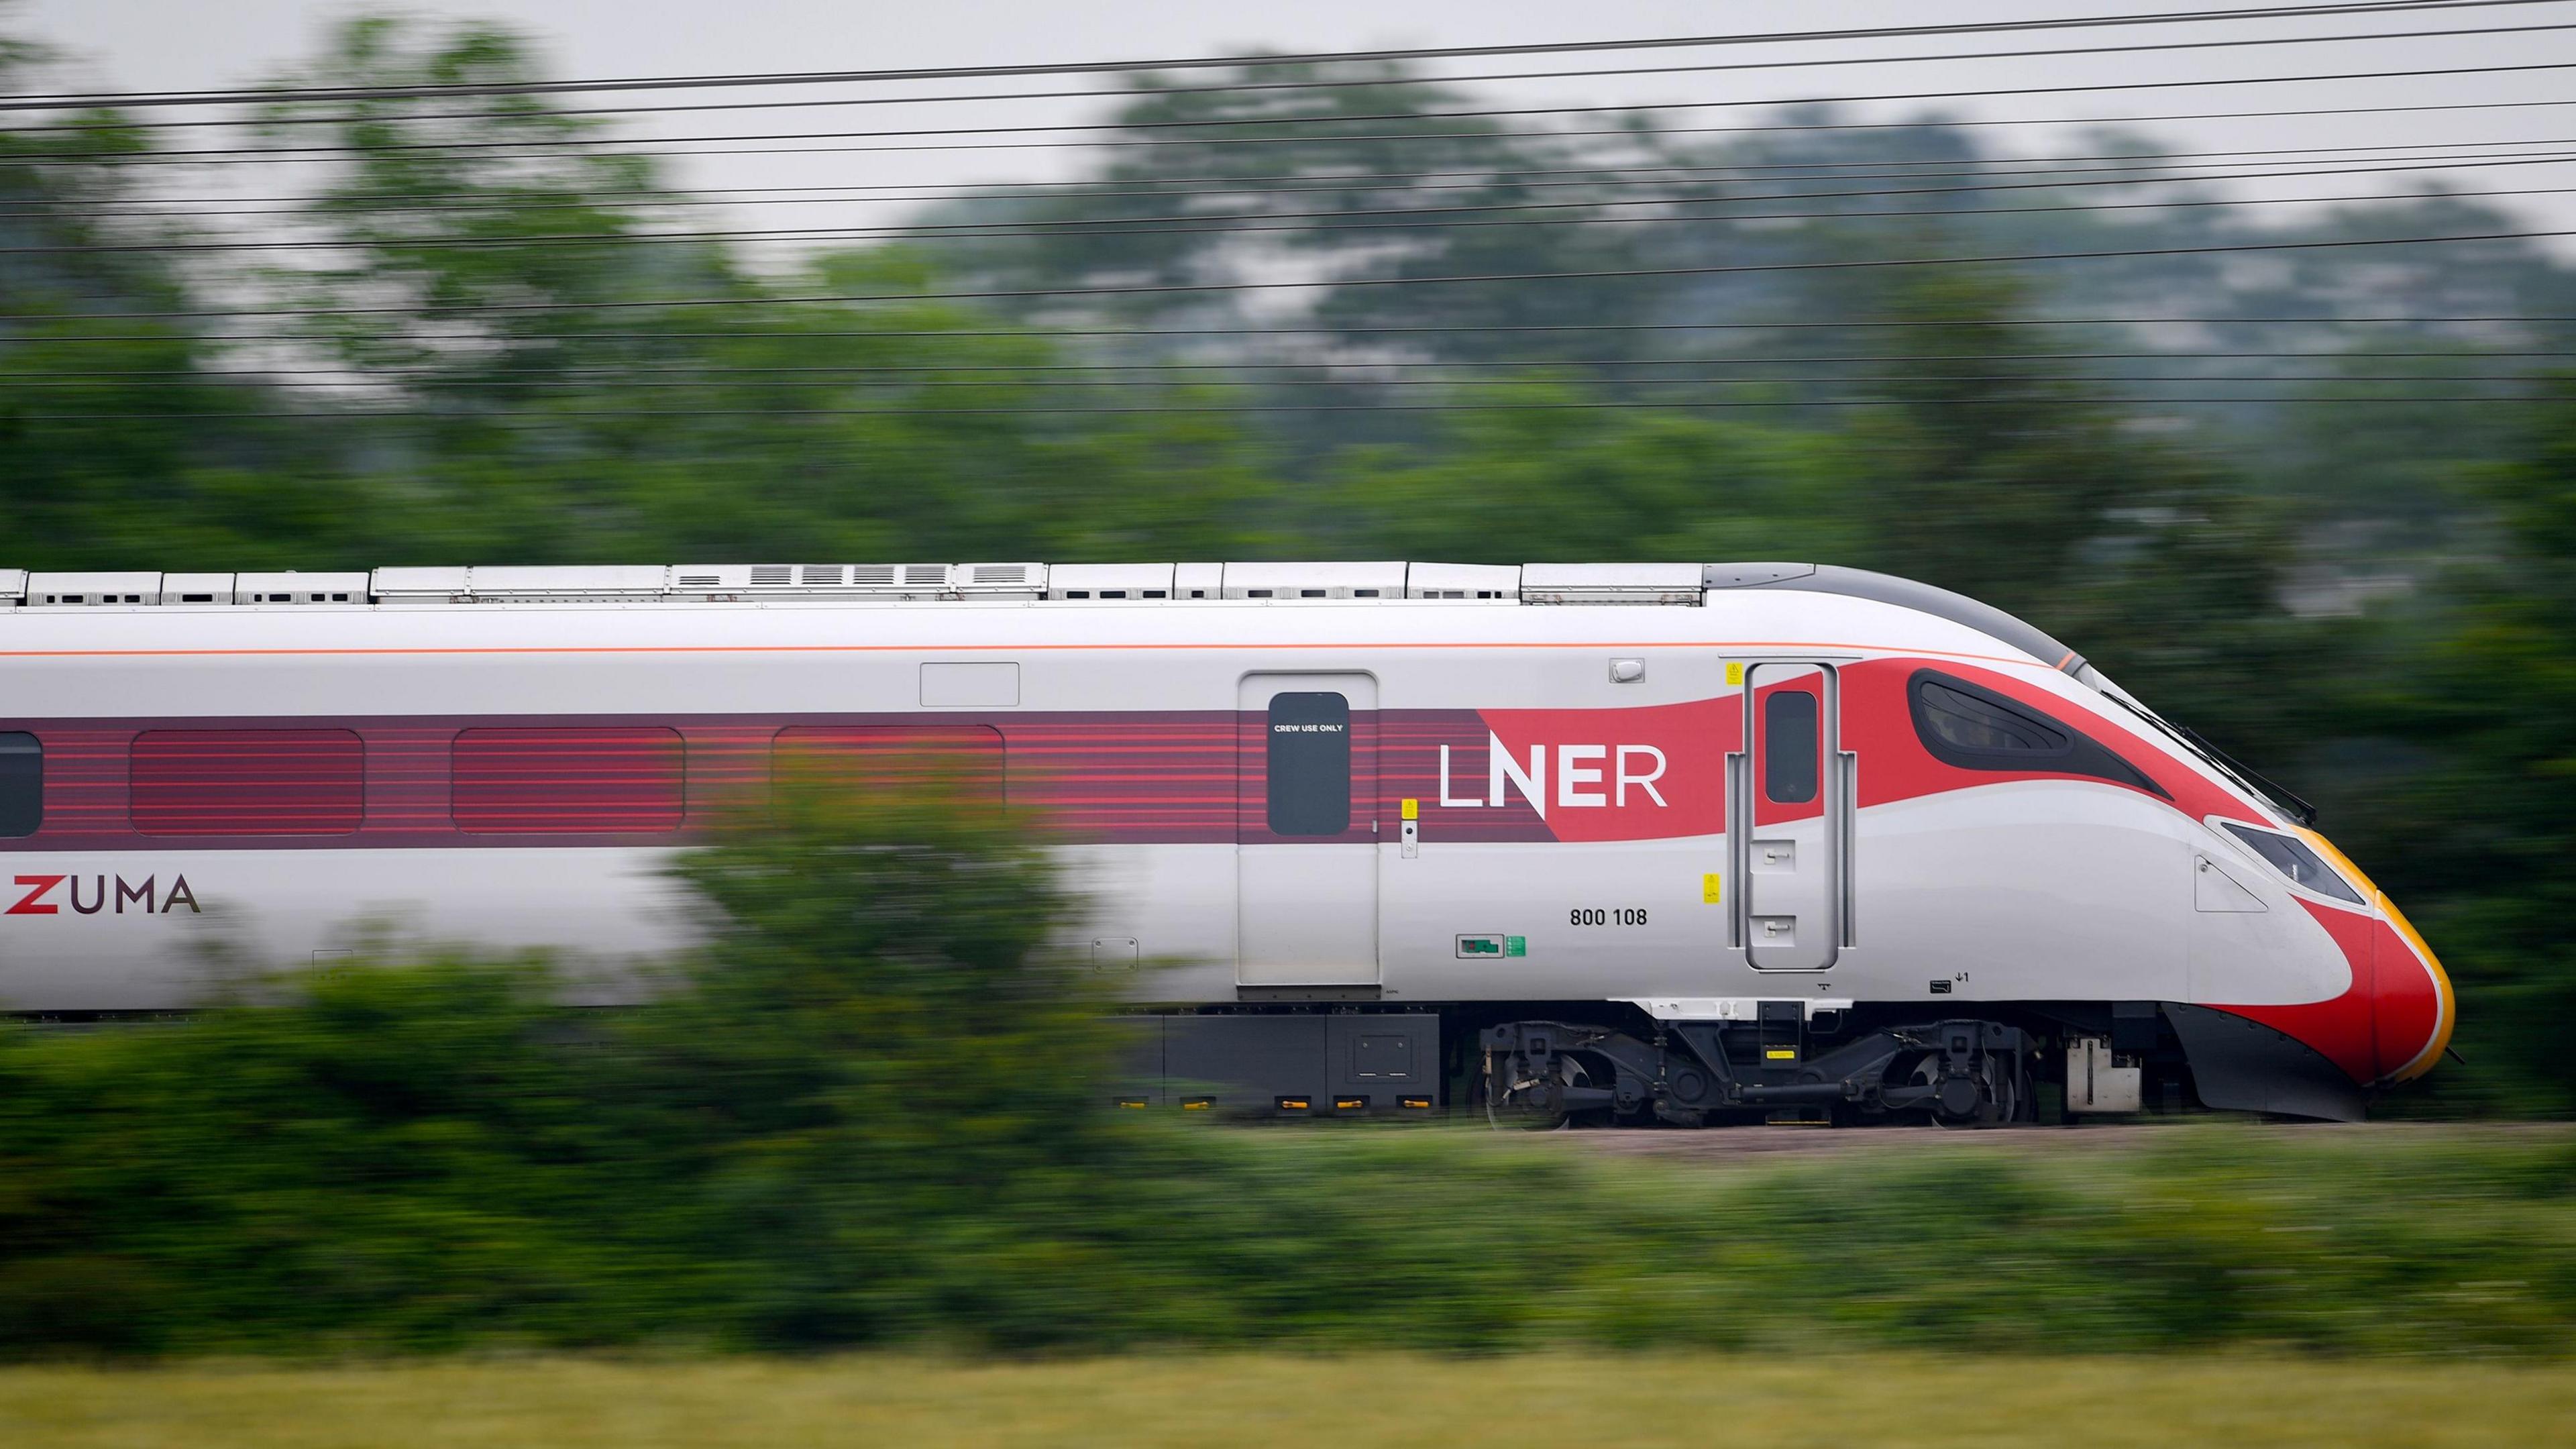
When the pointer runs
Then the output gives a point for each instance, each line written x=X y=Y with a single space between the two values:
x=1289 y=1399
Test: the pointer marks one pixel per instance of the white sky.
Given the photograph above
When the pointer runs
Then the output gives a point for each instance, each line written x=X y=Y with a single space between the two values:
x=175 y=44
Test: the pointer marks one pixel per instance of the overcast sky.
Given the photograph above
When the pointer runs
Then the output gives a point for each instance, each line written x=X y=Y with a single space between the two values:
x=173 y=44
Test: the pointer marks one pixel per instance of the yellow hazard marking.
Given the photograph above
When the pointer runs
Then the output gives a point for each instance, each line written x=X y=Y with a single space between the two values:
x=1712 y=887
x=1412 y=809
x=1780 y=1054
x=1735 y=674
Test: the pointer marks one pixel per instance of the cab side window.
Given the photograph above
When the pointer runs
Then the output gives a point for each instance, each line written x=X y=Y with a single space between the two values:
x=22 y=784
x=1983 y=726
x=1975 y=728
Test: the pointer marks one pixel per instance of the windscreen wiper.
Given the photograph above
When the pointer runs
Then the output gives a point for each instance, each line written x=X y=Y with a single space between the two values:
x=2294 y=806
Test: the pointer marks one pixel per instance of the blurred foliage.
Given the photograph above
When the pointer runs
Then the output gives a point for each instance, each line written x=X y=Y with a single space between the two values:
x=489 y=345
x=870 y=1112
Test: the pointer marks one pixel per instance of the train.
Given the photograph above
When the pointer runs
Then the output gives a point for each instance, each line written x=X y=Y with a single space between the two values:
x=1649 y=843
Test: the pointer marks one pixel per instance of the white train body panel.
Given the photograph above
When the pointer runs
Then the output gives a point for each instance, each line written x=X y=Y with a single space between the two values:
x=1610 y=836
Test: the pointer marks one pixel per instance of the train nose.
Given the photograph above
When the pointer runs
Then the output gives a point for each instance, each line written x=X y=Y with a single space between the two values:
x=2412 y=1010
x=2411 y=1006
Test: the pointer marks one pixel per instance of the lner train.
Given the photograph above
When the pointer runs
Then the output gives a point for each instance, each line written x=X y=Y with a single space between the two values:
x=1634 y=843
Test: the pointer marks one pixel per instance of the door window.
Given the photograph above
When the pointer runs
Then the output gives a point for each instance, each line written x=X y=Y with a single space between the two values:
x=1309 y=765
x=1789 y=747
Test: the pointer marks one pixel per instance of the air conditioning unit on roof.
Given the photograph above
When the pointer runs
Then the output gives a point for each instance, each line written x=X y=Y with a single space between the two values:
x=1463 y=581
x=999 y=580
x=1109 y=581
x=298 y=588
x=1314 y=580
x=213 y=588
x=64 y=590
x=1610 y=583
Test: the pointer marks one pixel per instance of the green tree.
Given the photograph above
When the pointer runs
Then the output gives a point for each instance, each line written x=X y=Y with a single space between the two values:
x=2467 y=723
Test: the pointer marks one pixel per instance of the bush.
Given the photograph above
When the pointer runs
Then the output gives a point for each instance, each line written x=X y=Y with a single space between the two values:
x=869 y=1112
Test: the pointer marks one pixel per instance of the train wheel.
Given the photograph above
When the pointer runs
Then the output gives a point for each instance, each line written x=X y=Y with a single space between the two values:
x=1991 y=1096
x=1533 y=1105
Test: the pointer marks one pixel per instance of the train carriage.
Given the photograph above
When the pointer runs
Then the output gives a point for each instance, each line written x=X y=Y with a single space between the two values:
x=1641 y=842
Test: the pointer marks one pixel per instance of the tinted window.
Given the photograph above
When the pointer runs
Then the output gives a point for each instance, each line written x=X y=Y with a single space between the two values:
x=965 y=758
x=2293 y=859
x=1975 y=728
x=1310 y=764
x=510 y=781
x=1789 y=747
x=247 y=782
x=22 y=784
x=1968 y=722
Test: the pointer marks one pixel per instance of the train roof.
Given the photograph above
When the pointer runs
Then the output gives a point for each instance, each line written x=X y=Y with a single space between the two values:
x=1644 y=585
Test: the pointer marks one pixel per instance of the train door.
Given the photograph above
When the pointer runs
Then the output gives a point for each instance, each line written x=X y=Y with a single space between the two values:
x=1790 y=827
x=1306 y=863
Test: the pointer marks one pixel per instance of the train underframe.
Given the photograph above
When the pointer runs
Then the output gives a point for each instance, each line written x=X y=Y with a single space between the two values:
x=1609 y=1064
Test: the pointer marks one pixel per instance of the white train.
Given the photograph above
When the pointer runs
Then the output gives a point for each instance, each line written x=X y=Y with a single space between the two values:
x=1646 y=842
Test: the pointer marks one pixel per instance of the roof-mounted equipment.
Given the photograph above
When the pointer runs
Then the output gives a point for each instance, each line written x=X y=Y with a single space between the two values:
x=1610 y=583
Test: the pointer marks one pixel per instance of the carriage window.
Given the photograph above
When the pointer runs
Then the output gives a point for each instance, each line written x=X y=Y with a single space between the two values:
x=1789 y=741
x=22 y=784
x=2293 y=859
x=1310 y=764
x=1980 y=725
x=965 y=758
x=513 y=781
x=247 y=782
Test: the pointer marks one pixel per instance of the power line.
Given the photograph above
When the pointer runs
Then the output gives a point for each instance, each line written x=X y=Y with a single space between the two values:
x=237 y=155
x=71 y=101
x=1358 y=117
x=1129 y=124
x=791 y=195
x=519 y=148
x=1178 y=288
x=1419 y=219
x=261 y=153
x=527 y=148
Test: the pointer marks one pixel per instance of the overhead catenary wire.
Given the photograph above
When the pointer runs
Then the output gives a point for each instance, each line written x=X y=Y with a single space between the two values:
x=526 y=148
x=69 y=101
x=1345 y=118
x=236 y=155
x=544 y=146
x=1180 y=288
x=1638 y=108
x=522 y=148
